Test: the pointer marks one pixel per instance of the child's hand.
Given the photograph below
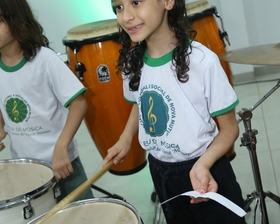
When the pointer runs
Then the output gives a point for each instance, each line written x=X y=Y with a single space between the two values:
x=2 y=136
x=61 y=163
x=117 y=152
x=202 y=181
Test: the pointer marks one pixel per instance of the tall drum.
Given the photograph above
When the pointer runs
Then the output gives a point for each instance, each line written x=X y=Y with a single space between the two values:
x=93 y=50
x=202 y=17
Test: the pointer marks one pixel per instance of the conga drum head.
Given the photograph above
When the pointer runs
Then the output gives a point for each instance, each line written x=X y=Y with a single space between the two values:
x=95 y=211
x=197 y=7
x=26 y=190
x=93 y=30
x=94 y=49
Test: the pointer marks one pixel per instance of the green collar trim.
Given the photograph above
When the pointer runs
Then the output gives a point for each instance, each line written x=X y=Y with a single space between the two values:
x=12 y=68
x=154 y=62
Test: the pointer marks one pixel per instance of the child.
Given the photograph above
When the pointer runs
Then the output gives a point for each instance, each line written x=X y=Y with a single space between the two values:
x=36 y=89
x=177 y=88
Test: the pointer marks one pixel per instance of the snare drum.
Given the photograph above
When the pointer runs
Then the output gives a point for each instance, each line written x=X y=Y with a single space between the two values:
x=92 y=51
x=26 y=190
x=201 y=15
x=96 y=210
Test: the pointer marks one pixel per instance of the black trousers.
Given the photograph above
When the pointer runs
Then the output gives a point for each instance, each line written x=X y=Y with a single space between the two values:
x=171 y=179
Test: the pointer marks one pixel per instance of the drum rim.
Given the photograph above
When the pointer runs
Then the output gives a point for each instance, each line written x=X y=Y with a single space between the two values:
x=92 y=200
x=24 y=198
x=92 y=40
x=206 y=12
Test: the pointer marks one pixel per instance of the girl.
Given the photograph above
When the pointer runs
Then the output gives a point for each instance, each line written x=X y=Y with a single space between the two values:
x=36 y=89
x=177 y=86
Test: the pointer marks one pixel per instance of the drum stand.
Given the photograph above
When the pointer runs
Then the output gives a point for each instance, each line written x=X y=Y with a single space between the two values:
x=249 y=140
x=109 y=195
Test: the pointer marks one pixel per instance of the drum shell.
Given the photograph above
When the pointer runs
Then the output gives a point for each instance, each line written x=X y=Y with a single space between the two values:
x=11 y=209
x=108 y=111
x=207 y=30
x=97 y=210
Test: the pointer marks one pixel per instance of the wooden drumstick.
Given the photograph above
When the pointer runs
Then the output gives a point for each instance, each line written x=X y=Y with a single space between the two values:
x=74 y=194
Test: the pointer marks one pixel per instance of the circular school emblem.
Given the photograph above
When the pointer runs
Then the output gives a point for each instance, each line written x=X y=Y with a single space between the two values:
x=17 y=109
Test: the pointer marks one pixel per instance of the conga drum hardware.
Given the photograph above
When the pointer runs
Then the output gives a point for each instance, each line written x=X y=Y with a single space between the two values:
x=93 y=50
x=223 y=34
x=208 y=12
x=80 y=68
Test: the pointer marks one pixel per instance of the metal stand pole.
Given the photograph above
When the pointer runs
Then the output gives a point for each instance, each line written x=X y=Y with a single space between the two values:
x=249 y=140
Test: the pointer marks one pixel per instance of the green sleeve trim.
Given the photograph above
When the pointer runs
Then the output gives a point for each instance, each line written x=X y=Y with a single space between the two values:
x=82 y=91
x=225 y=110
x=132 y=102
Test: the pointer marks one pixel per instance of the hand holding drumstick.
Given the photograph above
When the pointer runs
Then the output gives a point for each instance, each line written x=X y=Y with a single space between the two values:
x=74 y=194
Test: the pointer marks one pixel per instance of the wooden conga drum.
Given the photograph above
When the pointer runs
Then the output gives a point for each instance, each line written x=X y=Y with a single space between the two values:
x=201 y=15
x=92 y=51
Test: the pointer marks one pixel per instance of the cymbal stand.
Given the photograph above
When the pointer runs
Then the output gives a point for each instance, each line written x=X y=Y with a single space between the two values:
x=249 y=140
x=263 y=98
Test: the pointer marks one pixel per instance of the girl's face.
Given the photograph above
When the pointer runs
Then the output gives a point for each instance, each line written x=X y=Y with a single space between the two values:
x=6 y=38
x=143 y=19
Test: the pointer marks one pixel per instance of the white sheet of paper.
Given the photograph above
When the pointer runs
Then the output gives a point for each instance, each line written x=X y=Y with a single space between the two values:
x=216 y=197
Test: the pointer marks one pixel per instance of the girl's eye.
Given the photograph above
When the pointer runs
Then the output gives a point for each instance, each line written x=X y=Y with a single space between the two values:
x=118 y=7
x=136 y=2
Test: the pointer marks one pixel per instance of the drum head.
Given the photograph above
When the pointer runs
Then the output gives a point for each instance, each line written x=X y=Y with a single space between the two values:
x=19 y=177
x=197 y=7
x=93 y=211
x=93 y=30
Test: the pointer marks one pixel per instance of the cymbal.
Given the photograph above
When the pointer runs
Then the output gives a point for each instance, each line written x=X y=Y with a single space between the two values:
x=268 y=54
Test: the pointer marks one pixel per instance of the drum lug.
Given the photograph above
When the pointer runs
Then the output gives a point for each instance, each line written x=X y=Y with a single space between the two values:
x=223 y=34
x=28 y=211
x=56 y=191
x=80 y=69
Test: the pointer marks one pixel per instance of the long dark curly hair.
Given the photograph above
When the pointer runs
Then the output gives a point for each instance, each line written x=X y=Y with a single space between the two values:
x=18 y=15
x=128 y=62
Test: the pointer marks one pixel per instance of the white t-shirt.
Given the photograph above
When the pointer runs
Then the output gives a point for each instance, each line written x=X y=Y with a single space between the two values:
x=34 y=97
x=175 y=119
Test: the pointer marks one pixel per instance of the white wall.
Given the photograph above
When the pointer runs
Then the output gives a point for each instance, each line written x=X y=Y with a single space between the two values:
x=247 y=22
x=58 y=16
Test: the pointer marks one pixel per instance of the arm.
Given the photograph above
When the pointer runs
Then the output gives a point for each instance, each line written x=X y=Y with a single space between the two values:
x=202 y=180
x=118 y=151
x=2 y=131
x=61 y=163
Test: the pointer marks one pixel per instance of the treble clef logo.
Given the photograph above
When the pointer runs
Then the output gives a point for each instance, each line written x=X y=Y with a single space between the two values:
x=151 y=116
x=15 y=111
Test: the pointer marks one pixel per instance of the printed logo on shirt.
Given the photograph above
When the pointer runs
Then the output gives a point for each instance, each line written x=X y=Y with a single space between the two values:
x=17 y=108
x=157 y=110
x=154 y=113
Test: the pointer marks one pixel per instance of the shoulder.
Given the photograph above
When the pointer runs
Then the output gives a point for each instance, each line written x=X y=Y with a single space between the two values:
x=201 y=56
x=201 y=53
x=44 y=51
